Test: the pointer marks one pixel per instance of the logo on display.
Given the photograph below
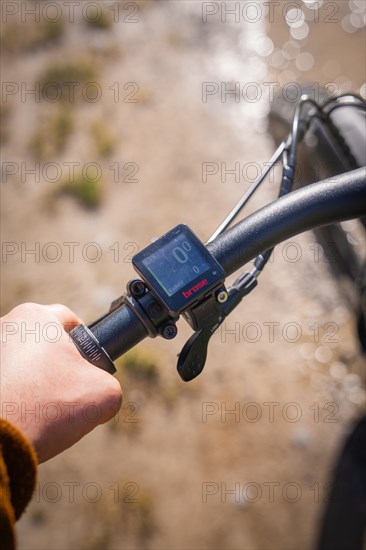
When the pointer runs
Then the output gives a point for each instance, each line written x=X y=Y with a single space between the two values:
x=195 y=288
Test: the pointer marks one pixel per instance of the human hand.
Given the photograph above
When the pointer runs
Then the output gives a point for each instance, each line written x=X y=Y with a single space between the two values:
x=48 y=390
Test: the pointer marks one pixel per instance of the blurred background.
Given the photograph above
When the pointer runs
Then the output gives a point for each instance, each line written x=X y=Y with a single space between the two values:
x=117 y=124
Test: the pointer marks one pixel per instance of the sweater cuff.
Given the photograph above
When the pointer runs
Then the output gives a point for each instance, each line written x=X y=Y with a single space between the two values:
x=18 y=470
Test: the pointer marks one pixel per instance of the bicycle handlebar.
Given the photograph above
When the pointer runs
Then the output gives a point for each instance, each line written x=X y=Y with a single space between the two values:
x=336 y=199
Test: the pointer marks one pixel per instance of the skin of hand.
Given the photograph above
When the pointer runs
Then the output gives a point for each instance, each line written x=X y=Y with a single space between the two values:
x=48 y=391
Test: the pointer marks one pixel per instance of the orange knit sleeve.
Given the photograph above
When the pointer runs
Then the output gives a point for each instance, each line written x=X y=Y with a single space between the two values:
x=18 y=468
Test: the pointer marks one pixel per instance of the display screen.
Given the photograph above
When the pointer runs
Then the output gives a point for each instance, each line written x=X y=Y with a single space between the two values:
x=178 y=268
x=175 y=264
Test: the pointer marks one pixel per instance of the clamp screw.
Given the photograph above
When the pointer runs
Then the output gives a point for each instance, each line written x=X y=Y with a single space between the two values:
x=170 y=331
x=222 y=296
x=136 y=288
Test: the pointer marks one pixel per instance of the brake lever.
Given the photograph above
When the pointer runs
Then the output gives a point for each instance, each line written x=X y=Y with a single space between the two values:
x=192 y=358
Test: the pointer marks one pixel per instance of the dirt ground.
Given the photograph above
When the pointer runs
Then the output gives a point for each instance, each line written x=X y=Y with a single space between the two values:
x=240 y=458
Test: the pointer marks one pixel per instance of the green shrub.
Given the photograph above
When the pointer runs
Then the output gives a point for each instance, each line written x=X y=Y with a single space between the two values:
x=51 y=137
x=64 y=73
x=146 y=525
x=19 y=36
x=103 y=139
x=87 y=191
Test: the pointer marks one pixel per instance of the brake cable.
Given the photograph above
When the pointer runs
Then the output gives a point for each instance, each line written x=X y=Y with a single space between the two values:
x=287 y=152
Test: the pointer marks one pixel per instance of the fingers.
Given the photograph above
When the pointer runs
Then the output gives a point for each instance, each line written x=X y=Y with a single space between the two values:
x=63 y=314
x=67 y=318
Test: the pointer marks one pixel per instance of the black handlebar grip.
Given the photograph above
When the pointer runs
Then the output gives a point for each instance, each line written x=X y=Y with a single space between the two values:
x=119 y=331
x=104 y=341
